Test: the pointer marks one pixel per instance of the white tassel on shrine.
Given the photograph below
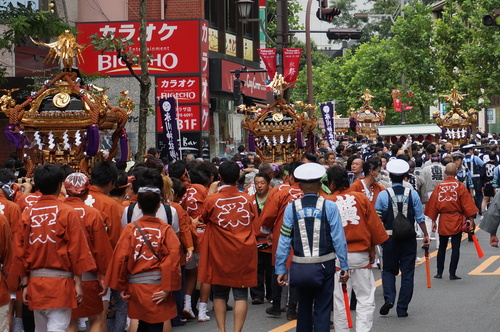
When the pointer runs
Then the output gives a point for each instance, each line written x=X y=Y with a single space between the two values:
x=78 y=138
x=66 y=140
x=51 y=141
x=38 y=140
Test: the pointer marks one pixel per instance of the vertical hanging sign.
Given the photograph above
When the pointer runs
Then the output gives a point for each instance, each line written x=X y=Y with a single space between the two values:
x=328 y=119
x=168 y=109
x=268 y=56
x=291 y=61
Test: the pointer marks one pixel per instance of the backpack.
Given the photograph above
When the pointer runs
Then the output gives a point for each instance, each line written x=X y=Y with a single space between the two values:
x=402 y=228
x=131 y=207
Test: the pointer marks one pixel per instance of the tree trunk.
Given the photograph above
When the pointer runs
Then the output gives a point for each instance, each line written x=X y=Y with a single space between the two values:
x=145 y=84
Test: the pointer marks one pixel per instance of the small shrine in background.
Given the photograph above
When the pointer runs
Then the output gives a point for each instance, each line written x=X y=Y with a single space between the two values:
x=366 y=120
x=456 y=124
x=61 y=122
x=280 y=133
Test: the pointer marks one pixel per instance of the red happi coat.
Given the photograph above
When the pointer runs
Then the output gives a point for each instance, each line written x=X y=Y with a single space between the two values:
x=110 y=212
x=358 y=186
x=362 y=226
x=271 y=217
x=228 y=254
x=193 y=201
x=100 y=246
x=6 y=253
x=12 y=212
x=51 y=237
x=452 y=201
x=132 y=255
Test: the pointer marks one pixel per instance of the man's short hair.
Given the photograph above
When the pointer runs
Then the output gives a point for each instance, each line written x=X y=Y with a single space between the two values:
x=338 y=176
x=7 y=175
x=103 y=173
x=152 y=151
x=48 y=178
x=147 y=177
x=10 y=163
x=229 y=172
x=177 y=169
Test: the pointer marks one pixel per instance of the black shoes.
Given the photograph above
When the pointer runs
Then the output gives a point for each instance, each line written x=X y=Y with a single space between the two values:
x=291 y=314
x=273 y=311
x=384 y=310
x=454 y=277
x=439 y=276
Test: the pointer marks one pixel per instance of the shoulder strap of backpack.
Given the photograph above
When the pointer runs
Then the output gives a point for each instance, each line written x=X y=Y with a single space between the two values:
x=168 y=211
x=130 y=211
x=395 y=209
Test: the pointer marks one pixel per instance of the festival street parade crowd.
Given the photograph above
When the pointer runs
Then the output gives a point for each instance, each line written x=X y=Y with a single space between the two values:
x=147 y=246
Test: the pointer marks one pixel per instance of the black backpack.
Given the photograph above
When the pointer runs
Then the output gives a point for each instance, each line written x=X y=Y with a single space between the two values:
x=402 y=228
x=131 y=207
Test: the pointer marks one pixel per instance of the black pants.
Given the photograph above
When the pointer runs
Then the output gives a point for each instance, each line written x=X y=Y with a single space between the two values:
x=455 y=252
x=149 y=327
x=265 y=275
x=277 y=290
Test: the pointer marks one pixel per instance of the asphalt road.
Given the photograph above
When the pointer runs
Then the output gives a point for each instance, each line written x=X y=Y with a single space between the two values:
x=470 y=304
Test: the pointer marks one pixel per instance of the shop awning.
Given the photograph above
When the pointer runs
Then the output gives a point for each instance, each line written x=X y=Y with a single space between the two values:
x=410 y=129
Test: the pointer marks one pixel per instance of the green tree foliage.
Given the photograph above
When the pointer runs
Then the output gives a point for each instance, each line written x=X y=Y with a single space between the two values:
x=294 y=8
x=23 y=21
x=421 y=56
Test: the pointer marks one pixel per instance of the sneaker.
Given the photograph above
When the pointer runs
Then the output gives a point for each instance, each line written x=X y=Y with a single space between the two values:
x=384 y=310
x=188 y=313
x=203 y=317
x=273 y=311
x=291 y=314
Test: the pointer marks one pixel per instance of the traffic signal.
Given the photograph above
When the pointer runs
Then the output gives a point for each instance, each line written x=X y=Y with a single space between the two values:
x=343 y=33
x=238 y=92
x=490 y=20
x=327 y=14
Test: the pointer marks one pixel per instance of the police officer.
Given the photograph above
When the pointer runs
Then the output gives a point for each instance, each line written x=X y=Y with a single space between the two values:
x=474 y=164
x=399 y=254
x=313 y=227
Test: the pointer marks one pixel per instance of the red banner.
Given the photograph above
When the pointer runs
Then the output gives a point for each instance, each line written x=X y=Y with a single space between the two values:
x=398 y=107
x=268 y=56
x=291 y=61
x=176 y=47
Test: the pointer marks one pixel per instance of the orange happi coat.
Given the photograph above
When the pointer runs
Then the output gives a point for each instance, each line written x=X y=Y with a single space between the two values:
x=228 y=253
x=52 y=237
x=100 y=246
x=26 y=200
x=110 y=212
x=192 y=202
x=271 y=217
x=362 y=226
x=6 y=253
x=132 y=255
x=12 y=212
x=376 y=188
x=186 y=227
x=452 y=201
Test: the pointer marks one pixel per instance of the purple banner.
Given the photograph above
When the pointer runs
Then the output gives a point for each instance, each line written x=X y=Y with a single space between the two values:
x=329 y=120
x=168 y=109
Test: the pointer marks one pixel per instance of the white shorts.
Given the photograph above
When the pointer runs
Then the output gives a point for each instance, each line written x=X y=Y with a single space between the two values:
x=56 y=320
x=4 y=318
x=194 y=262
x=107 y=296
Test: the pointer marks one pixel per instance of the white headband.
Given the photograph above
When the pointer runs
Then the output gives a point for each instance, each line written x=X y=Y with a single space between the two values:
x=149 y=190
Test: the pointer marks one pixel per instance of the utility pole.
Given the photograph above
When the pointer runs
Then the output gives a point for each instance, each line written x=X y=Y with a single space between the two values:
x=282 y=37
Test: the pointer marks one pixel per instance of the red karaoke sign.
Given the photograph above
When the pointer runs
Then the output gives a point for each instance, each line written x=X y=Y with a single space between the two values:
x=188 y=118
x=175 y=46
